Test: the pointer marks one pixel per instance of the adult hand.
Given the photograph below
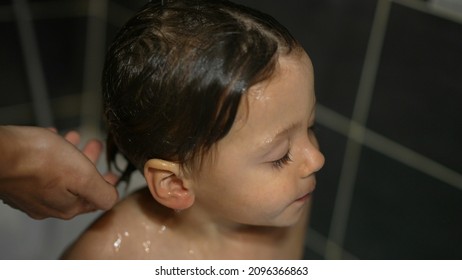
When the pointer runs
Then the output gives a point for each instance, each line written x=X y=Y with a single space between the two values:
x=45 y=175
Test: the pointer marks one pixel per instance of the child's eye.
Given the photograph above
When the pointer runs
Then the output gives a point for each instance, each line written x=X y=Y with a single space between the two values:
x=313 y=128
x=278 y=164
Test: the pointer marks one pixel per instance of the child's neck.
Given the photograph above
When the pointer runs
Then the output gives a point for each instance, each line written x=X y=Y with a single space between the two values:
x=206 y=236
x=234 y=241
x=212 y=238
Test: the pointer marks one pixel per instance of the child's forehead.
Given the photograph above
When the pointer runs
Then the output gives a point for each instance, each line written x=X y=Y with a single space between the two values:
x=293 y=73
x=287 y=68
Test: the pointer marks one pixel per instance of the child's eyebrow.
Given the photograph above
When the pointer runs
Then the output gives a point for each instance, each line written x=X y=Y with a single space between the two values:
x=287 y=129
x=273 y=139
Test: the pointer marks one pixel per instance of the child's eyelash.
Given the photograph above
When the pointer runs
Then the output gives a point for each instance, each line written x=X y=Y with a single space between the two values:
x=287 y=158
x=313 y=128
x=282 y=161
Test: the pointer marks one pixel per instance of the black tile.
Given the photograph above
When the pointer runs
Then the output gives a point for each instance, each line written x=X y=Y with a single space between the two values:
x=309 y=254
x=333 y=148
x=134 y=5
x=418 y=96
x=14 y=87
x=62 y=48
x=400 y=213
x=335 y=35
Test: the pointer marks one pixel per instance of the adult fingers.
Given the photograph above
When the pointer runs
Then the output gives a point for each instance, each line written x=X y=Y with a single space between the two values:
x=111 y=178
x=73 y=137
x=101 y=194
x=80 y=206
x=93 y=150
x=52 y=129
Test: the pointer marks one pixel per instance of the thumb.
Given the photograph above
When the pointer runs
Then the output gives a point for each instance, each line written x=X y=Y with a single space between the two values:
x=111 y=178
x=102 y=195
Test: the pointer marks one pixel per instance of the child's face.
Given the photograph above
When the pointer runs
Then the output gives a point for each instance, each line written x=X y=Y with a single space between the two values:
x=262 y=172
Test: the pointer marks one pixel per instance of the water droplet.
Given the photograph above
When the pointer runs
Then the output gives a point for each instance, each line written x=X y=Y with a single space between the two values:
x=162 y=229
x=146 y=226
x=118 y=242
x=147 y=246
x=126 y=234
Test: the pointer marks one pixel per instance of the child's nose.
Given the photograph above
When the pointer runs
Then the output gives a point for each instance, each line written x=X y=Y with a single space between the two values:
x=313 y=160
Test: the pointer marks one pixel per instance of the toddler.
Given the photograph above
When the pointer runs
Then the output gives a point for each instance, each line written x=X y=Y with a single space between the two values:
x=214 y=102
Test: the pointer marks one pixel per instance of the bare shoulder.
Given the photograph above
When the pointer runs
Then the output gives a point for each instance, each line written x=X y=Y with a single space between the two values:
x=111 y=235
x=93 y=243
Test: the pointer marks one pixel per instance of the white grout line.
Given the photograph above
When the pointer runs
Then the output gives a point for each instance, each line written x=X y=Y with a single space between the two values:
x=317 y=243
x=357 y=134
x=388 y=147
x=351 y=158
x=412 y=159
x=35 y=73
x=354 y=131
x=428 y=8
x=91 y=105
x=385 y=146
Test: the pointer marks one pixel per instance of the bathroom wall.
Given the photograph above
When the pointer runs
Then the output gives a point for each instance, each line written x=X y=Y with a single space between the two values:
x=389 y=116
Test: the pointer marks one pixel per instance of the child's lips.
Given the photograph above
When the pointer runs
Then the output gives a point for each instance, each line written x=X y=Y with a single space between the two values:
x=305 y=197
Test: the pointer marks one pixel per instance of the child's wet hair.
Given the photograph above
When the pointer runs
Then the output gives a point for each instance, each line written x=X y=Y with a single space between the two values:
x=175 y=75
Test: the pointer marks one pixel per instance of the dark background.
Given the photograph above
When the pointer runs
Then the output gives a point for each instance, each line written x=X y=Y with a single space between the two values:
x=389 y=86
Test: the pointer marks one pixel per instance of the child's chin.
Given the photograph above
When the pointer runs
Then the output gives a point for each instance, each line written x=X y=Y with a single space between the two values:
x=291 y=220
x=290 y=223
x=285 y=222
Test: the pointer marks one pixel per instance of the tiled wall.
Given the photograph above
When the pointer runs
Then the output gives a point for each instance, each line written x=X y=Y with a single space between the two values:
x=395 y=159
x=389 y=86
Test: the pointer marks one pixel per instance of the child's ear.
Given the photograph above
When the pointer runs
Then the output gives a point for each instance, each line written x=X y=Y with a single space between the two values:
x=167 y=185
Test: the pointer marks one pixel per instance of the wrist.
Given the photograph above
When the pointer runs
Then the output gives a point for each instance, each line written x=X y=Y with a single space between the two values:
x=21 y=148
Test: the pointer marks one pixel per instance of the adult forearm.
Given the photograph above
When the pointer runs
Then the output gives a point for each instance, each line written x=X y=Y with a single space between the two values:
x=13 y=149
